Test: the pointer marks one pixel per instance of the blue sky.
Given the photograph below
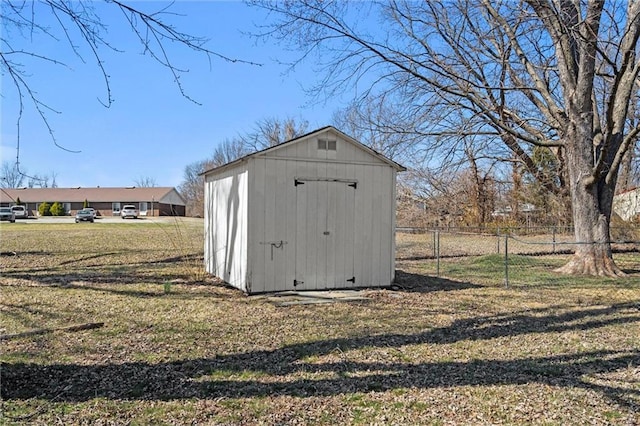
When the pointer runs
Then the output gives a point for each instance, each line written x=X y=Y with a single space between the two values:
x=150 y=130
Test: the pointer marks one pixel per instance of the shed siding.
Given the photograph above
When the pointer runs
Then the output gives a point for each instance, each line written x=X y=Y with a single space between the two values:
x=346 y=152
x=226 y=229
x=374 y=226
x=272 y=219
x=285 y=225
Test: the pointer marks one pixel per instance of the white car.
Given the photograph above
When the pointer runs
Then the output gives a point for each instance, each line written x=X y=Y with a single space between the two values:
x=20 y=212
x=129 y=211
x=92 y=210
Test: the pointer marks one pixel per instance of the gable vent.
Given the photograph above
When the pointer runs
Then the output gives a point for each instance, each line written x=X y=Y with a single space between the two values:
x=327 y=144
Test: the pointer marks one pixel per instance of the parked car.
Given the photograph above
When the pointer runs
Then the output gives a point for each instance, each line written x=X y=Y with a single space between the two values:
x=129 y=211
x=93 y=211
x=84 y=215
x=20 y=212
x=7 y=214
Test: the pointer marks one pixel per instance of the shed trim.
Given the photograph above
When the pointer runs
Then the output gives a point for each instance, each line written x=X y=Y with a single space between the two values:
x=326 y=160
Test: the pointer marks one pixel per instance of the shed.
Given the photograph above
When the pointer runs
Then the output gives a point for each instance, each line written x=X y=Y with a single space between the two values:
x=316 y=212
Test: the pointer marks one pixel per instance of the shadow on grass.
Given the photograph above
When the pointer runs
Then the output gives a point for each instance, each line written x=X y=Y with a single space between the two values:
x=214 y=290
x=420 y=283
x=126 y=272
x=278 y=372
x=24 y=312
x=68 y=273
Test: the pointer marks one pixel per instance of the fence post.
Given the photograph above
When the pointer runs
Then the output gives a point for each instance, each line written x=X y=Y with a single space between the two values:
x=435 y=252
x=506 y=260
x=554 y=239
x=437 y=246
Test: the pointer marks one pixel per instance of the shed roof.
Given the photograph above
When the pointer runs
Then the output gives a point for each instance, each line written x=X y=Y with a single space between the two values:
x=348 y=138
x=97 y=194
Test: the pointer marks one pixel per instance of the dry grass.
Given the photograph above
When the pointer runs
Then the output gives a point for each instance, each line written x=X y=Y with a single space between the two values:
x=441 y=352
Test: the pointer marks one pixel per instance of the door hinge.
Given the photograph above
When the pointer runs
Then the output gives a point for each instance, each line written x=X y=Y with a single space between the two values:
x=297 y=182
x=296 y=282
x=352 y=280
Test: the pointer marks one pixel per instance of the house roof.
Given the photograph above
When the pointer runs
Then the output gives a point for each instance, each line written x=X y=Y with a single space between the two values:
x=371 y=151
x=98 y=194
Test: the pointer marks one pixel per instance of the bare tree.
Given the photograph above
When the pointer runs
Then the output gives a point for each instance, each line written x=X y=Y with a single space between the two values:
x=377 y=122
x=227 y=151
x=38 y=180
x=266 y=133
x=78 y=25
x=192 y=187
x=525 y=73
x=145 y=182
x=385 y=126
x=271 y=132
x=10 y=176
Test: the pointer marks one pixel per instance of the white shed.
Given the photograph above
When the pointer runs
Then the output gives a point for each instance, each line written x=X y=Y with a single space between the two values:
x=316 y=212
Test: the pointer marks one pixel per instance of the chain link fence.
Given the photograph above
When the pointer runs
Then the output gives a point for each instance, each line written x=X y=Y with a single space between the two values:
x=510 y=257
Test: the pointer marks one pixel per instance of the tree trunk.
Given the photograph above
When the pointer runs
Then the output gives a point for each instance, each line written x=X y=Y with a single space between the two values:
x=592 y=203
x=591 y=258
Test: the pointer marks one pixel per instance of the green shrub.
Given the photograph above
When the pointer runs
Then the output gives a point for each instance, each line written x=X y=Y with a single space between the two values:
x=85 y=204
x=57 y=209
x=44 y=209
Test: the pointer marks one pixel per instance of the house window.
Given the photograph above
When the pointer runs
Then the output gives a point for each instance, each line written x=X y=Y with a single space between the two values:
x=67 y=207
x=143 y=208
x=115 y=208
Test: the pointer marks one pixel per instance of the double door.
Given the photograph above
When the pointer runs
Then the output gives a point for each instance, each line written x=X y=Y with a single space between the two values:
x=325 y=233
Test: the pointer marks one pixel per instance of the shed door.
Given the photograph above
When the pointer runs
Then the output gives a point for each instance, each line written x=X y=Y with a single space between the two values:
x=325 y=235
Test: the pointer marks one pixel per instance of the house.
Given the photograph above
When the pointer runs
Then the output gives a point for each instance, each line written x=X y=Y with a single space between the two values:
x=153 y=201
x=316 y=212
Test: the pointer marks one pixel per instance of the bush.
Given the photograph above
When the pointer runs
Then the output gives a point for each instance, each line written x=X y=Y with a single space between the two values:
x=44 y=209
x=57 y=209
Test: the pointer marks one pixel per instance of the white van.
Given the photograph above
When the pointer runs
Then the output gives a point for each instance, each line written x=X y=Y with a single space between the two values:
x=20 y=212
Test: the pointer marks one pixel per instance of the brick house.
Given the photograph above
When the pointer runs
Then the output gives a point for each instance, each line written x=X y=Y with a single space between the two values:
x=153 y=201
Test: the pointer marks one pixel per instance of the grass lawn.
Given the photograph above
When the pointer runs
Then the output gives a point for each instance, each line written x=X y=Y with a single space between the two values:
x=177 y=347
